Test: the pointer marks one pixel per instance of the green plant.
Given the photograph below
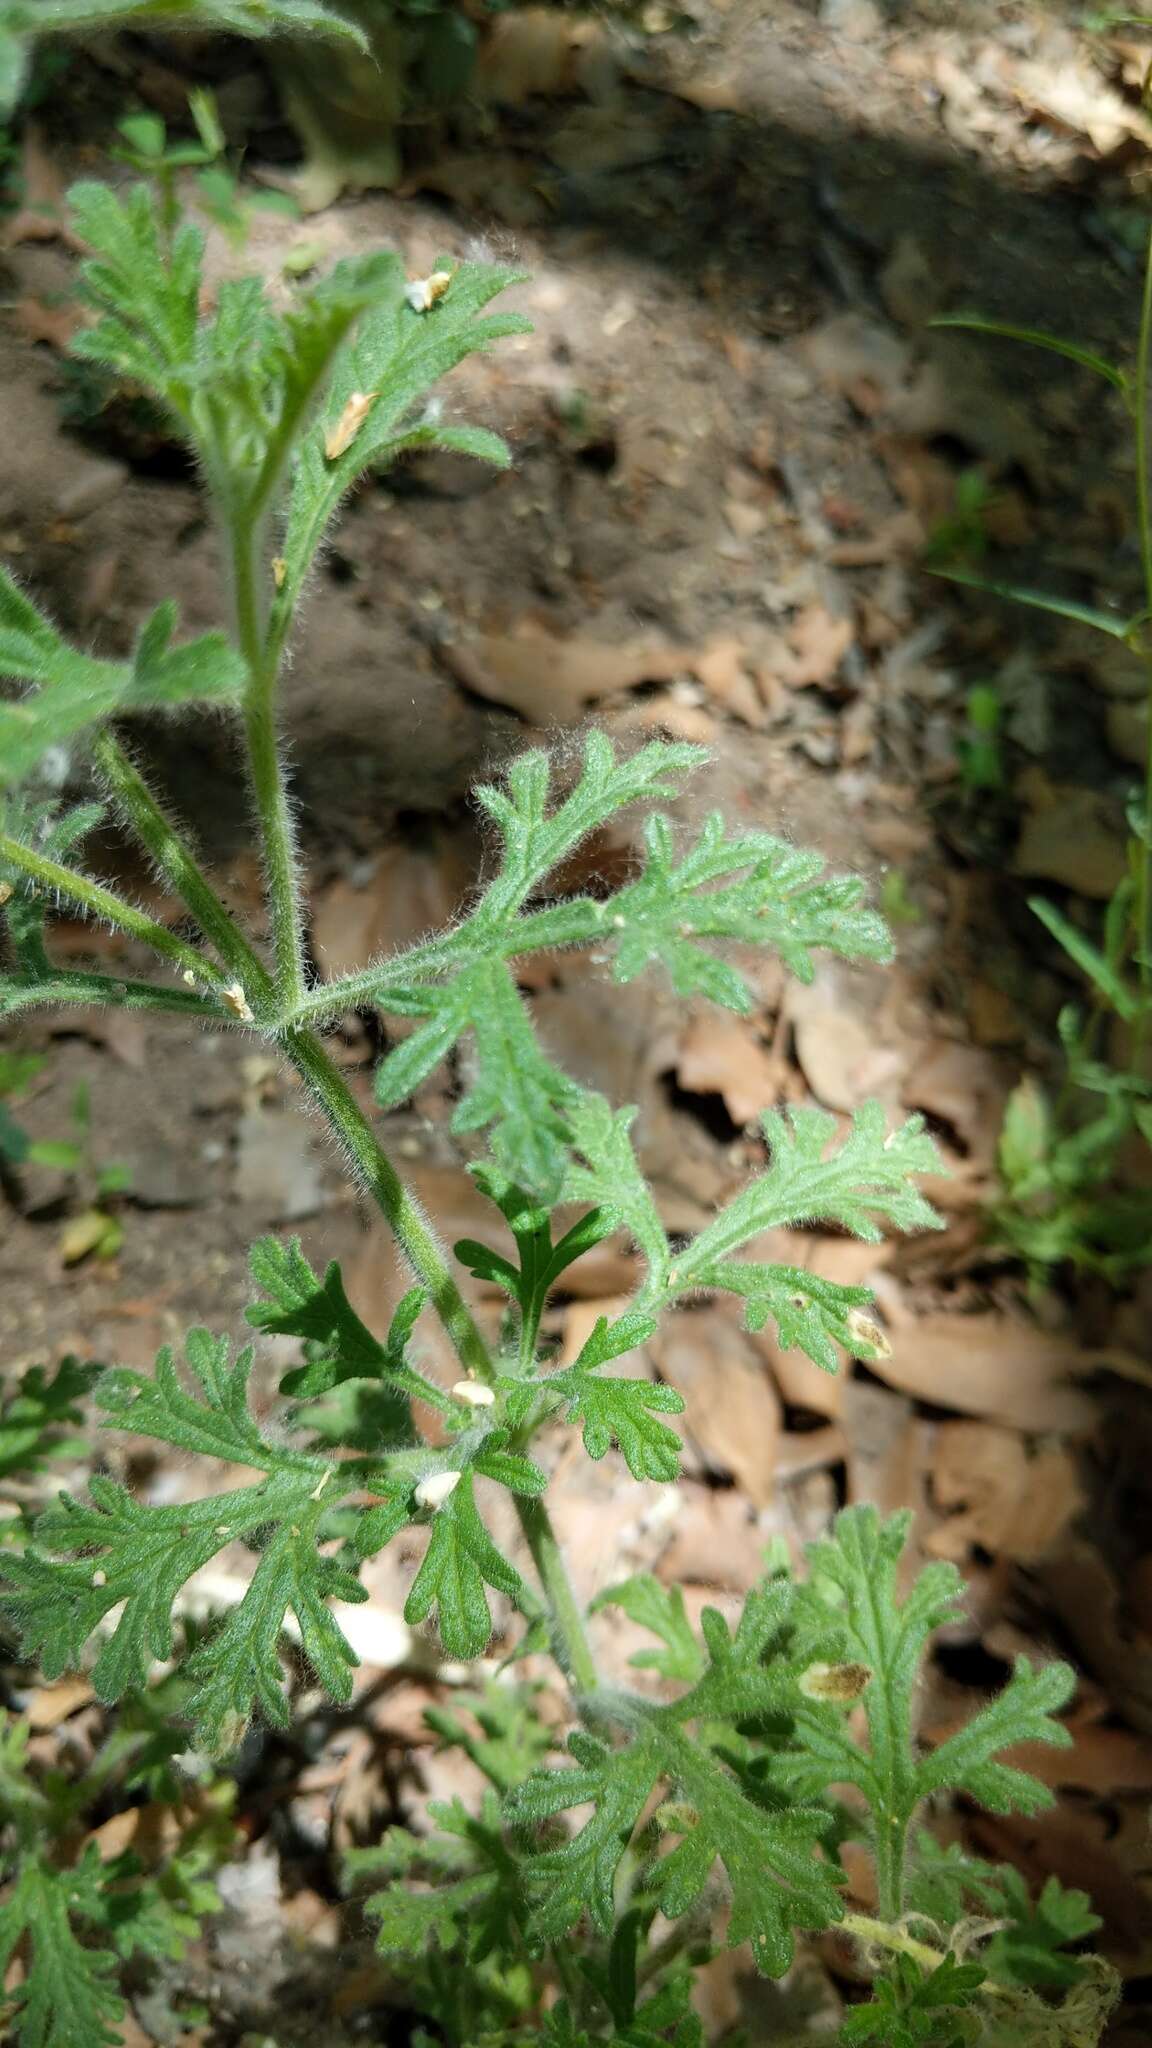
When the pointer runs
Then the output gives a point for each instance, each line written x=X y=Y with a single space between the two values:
x=96 y=1228
x=72 y=1914
x=41 y=1419
x=733 y=1770
x=1074 y=1170
x=146 y=148
x=72 y=1917
x=962 y=536
x=981 y=756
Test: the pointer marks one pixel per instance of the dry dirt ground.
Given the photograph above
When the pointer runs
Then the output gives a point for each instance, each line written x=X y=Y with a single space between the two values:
x=735 y=436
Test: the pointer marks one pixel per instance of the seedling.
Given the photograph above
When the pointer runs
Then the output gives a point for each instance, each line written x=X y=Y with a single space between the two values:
x=981 y=759
x=962 y=536
x=896 y=901
x=709 y=1809
x=96 y=1230
x=219 y=196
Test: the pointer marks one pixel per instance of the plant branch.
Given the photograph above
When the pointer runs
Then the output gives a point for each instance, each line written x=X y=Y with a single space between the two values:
x=371 y=984
x=448 y=949
x=418 y=1243
x=896 y=1939
x=570 y=1645
x=175 y=863
x=269 y=785
x=111 y=990
x=378 y=1176
x=99 y=902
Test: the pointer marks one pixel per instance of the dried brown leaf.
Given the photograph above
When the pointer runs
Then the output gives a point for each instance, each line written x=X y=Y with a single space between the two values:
x=41 y=320
x=551 y=678
x=999 y=1496
x=843 y=1065
x=990 y=1365
x=819 y=640
x=410 y=892
x=732 y=1410
x=722 y=1055
x=52 y=1704
x=716 y=1541
x=961 y=1086
x=1070 y=836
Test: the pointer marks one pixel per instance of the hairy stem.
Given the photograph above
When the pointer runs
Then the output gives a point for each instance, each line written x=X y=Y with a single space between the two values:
x=102 y=903
x=897 y=1940
x=890 y=1740
x=269 y=785
x=113 y=992
x=570 y=1645
x=175 y=863
x=889 y=1862
x=377 y=1174
x=414 y=1235
x=692 y=1928
x=371 y=985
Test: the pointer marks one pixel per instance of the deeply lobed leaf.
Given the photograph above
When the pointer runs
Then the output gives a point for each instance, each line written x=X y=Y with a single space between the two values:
x=38 y=1409
x=751 y=889
x=613 y=1409
x=72 y=692
x=870 y=1173
x=395 y=357
x=338 y=1345
x=72 y=1923
x=747 y=889
x=661 y=1610
x=118 y=1553
x=777 y=1880
x=68 y=1997
x=460 y=1561
x=475 y=1909
x=810 y=1179
x=517 y=1093
x=852 y=1619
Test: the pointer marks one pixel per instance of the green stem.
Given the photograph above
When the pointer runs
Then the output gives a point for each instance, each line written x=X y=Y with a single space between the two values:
x=880 y=1934
x=417 y=1242
x=529 y=1338
x=175 y=864
x=100 y=902
x=262 y=651
x=269 y=786
x=889 y=1850
x=693 y=1926
x=373 y=984
x=114 y=993
x=570 y=1645
x=890 y=1741
x=376 y=1172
